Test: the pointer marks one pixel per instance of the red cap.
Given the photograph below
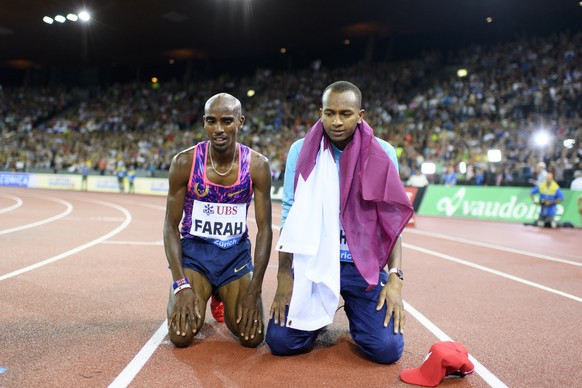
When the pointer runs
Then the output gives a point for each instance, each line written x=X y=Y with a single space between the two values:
x=444 y=358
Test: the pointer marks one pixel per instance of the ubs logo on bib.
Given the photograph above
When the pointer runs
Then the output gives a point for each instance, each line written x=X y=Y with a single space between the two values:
x=226 y=210
x=208 y=210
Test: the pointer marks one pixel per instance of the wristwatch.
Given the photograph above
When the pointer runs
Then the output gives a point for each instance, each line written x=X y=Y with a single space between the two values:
x=396 y=271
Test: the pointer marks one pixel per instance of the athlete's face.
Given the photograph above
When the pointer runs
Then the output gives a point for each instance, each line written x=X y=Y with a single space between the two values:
x=340 y=114
x=222 y=120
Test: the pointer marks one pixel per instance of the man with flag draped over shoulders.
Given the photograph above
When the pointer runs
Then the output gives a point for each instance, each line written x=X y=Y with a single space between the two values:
x=344 y=208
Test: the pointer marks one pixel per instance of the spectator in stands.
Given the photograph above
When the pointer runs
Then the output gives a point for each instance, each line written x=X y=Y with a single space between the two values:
x=480 y=176
x=85 y=169
x=577 y=182
x=131 y=178
x=451 y=121
x=541 y=174
x=417 y=179
x=121 y=173
x=450 y=177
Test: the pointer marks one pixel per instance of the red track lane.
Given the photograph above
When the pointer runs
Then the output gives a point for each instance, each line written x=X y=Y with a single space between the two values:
x=80 y=320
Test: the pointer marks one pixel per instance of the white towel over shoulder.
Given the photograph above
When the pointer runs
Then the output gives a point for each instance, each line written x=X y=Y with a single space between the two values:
x=312 y=234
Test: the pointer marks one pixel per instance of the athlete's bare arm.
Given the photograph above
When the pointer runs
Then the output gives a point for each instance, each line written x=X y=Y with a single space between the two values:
x=249 y=311
x=186 y=309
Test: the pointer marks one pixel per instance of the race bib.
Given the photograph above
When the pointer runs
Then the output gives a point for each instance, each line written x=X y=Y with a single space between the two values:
x=345 y=254
x=221 y=223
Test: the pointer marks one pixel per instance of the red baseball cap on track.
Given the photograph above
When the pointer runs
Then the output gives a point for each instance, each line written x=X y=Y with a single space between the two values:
x=444 y=358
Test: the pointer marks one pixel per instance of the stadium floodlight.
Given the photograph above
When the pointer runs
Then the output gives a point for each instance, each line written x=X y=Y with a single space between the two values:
x=72 y=17
x=428 y=168
x=462 y=73
x=250 y=93
x=60 y=18
x=569 y=143
x=541 y=138
x=84 y=16
x=48 y=20
x=494 y=156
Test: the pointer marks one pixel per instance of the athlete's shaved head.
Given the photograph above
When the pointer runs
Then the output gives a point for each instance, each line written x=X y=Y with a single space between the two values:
x=225 y=101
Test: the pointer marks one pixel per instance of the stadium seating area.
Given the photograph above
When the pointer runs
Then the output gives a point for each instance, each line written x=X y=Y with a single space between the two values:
x=420 y=106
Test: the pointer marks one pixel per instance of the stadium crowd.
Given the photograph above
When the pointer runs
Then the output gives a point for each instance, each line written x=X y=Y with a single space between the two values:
x=421 y=106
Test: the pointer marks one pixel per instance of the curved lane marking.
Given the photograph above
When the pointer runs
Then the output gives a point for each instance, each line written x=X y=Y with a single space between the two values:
x=68 y=210
x=134 y=242
x=79 y=248
x=15 y=206
x=144 y=204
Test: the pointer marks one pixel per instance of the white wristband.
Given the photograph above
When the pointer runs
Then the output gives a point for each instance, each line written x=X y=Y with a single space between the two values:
x=182 y=287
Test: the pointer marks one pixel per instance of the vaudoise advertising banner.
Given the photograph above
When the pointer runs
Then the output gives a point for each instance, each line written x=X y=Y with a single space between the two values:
x=512 y=204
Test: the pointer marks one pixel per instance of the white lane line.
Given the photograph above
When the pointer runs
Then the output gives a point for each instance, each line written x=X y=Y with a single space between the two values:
x=480 y=369
x=133 y=242
x=492 y=271
x=493 y=246
x=485 y=374
x=132 y=369
x=135 y=365
x=68 y=210
x=15 y=206
x=143 y=204
x=96 y=218
x=79 y=248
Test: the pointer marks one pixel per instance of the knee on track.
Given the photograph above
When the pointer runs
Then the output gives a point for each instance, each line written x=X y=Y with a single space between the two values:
x=385 y=351
x=181 y=341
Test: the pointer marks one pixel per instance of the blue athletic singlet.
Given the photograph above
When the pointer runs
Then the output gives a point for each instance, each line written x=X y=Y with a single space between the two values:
x=213 y=212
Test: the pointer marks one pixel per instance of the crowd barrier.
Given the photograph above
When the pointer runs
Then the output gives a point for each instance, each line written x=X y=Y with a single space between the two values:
x=96 y=183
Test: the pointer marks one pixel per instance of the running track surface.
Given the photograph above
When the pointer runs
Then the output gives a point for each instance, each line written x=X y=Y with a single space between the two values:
x=84 y=285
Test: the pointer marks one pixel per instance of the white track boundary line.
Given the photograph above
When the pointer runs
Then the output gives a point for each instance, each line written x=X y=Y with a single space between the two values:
x=15 y=206
x=494 y=246
x=492 y=271
x=77 y=249
x=68 y=210
x=136 y=364
x=485 y=374
x=140 y=359
x=143 y=204
x=133 y=243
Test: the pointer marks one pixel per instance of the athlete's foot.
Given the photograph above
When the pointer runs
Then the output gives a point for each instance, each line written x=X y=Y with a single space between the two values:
x=217 y=309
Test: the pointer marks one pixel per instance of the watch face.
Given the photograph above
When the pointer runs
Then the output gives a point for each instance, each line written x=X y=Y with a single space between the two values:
x=398 y=272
